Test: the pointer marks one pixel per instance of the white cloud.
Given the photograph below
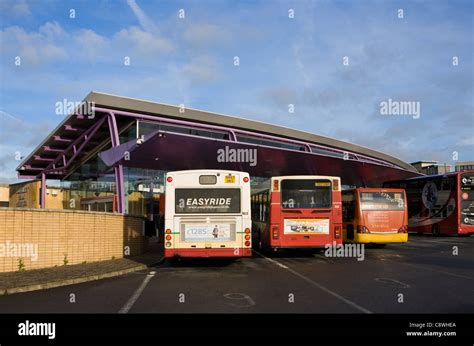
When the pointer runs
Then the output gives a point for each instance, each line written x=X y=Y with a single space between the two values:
x=138 y=41
x=203 y=33
x=202 y=69
x=145 y=22
x=38 y=47
x=91 y=44
x=466 y=142
x=19 y=8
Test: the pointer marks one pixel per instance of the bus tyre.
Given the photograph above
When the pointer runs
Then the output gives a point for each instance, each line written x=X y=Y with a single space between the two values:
x=435 y=230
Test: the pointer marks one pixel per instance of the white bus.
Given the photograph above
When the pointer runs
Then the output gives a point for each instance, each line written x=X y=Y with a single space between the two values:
x=207 y=214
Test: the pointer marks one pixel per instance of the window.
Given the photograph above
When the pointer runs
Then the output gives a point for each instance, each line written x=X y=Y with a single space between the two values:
x=147 y=127
x=382 y=201
x=306 y=193
x=269 y=142
x=446 y=184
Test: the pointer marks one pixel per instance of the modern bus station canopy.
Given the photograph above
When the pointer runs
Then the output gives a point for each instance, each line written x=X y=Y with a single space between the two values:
x=184 y=138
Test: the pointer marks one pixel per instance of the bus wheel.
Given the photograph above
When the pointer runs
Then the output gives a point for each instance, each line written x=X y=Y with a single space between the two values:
x=435 y=230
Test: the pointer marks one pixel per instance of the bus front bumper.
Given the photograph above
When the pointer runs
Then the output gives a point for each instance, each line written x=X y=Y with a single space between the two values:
x=230 y=252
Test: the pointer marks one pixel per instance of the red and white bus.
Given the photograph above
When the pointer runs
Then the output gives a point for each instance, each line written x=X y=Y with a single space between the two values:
x=293 y=212
x=207 y=214
x=440 y=204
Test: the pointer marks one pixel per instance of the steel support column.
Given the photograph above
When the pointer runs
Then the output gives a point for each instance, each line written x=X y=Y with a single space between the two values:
x=119 y=178
x=43 y=191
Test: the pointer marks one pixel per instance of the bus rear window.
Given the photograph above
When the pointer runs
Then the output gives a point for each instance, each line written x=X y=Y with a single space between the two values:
x=382 y=201
x=207 y=201
x=306 y=193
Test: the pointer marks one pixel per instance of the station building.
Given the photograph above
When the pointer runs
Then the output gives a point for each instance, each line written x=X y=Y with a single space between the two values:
x=114 y=157
x=109 y=158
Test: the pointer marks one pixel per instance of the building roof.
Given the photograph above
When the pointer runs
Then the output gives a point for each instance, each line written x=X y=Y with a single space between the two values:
x=68 y=131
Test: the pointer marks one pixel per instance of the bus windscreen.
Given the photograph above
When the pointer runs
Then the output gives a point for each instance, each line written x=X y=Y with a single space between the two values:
x=207 y=201
x=382 y=201
x=305 y=193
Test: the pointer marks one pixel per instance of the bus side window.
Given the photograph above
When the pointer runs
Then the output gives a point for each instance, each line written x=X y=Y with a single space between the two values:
x=252 y=207
x=266 y=204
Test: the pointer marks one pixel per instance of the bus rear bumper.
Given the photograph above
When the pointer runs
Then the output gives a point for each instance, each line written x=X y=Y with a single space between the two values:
x=301 y=247
x=381 y=238
x=465 y=229
x=230 y=252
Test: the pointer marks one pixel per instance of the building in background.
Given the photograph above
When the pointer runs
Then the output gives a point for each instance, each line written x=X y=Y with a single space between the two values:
x=464 y=166
x=27 y=195
x=4 y=195
x=432 y=167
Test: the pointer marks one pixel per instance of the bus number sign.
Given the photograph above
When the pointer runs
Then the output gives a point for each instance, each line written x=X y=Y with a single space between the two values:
x=229 y=179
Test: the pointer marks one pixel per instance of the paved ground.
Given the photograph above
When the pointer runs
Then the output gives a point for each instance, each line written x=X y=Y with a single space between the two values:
x=31 y=280
x=424 y=273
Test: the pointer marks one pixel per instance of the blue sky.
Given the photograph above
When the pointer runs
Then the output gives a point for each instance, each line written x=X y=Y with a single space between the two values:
x=283 y=61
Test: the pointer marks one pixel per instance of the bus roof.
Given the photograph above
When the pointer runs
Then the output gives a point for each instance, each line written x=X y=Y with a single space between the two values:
x=375 y=189
x=197 y=171
x=294 y=177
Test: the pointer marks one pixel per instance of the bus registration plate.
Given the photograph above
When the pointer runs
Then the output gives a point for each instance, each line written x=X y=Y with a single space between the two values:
x=207 y=232
x=306 y=226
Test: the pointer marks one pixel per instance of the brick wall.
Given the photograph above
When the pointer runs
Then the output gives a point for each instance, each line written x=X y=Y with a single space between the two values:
x=65 y=235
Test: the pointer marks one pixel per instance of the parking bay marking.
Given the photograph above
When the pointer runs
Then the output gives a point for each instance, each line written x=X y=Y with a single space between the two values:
x=136 y=294
x=431 y=269
x=392 y=282
x=314 y=283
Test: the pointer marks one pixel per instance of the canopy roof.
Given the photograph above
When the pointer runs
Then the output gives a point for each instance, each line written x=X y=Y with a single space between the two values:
x=188 y=138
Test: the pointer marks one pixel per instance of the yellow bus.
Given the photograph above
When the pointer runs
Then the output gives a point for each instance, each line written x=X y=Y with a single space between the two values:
x=374 y=215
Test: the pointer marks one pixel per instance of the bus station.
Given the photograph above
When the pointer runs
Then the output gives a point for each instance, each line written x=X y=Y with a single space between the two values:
x=112 y=154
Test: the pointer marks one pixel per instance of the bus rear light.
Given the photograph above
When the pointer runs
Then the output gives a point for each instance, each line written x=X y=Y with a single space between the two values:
x=362 y=229
x=247 y=237
x=247 y=243
x=169 y=179
x=168 y=244
x=247 y=230
x=246 y=179
x=337 y=231
x=168 y=231
x=168 y=237
x=403 y=229
x=275 y=232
